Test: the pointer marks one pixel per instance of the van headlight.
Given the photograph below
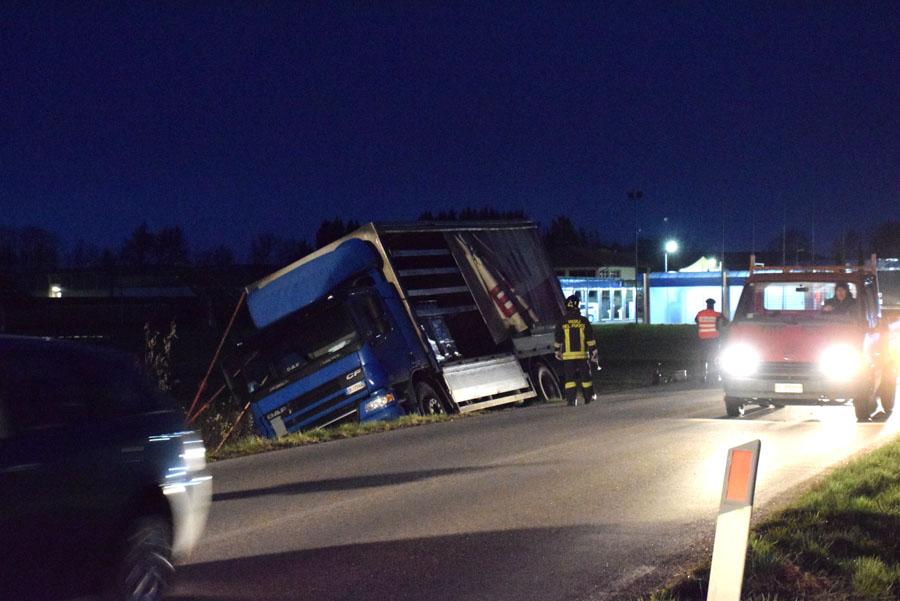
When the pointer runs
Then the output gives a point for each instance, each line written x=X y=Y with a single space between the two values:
x=378 y=401
x=840 y=362
x=739 y=360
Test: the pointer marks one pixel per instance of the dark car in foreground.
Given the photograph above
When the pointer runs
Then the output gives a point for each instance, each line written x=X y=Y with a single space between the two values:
x=102 y=487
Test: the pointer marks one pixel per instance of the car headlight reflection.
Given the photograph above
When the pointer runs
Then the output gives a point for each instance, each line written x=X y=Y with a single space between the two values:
x=840 y=362
x=739 y=360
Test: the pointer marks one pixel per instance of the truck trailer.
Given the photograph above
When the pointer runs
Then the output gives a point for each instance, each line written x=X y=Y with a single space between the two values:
x=394 y=319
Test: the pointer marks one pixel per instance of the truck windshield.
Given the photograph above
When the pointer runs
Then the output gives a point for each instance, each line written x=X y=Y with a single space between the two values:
x=291 y=348
x=793 y=302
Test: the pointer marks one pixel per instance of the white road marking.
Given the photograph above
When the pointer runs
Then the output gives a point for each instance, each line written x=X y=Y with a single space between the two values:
x=611 y=591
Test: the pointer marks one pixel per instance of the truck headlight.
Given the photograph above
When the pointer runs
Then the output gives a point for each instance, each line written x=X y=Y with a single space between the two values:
x=739 y=360
x=378 y=401
x=840 y=362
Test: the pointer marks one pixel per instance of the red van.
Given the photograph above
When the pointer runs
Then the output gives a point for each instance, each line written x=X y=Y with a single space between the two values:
x=810 y=336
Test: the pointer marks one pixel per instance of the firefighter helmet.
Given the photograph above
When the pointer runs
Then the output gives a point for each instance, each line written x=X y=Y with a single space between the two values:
x=573 y=302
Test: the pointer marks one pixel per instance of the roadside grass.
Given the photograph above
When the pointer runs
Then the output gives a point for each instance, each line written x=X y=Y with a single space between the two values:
x=252 y=445
x=840 y=540
x=628 y=353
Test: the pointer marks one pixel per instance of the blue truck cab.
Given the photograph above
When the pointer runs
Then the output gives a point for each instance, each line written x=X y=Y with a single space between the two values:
x=339 y=355
x=394 y=320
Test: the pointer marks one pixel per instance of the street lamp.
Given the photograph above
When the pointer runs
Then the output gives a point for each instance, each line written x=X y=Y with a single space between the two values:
x=671 y=247
x=635 y=195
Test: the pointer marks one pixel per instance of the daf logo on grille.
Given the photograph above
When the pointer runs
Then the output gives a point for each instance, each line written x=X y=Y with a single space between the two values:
x=353 y=374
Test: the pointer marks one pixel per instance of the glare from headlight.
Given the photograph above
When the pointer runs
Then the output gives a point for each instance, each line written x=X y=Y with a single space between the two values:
x=739 y=360
x=840 y=362
x=194 y=455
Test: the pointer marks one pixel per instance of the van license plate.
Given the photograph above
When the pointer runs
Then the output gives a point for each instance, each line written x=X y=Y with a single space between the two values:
x=789 y=388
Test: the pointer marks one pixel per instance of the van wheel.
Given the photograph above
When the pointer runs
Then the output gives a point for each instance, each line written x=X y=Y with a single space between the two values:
x=146 y=566
x=864 y=408
x=428 y=401
x=887 y=391
x=734 y=407
x=545 y=383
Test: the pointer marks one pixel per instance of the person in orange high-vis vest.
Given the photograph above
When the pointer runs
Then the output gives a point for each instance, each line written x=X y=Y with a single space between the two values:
x=576 y=346
x=708 y=323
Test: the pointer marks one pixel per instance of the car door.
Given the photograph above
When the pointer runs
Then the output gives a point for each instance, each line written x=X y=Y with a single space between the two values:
x=58 y=481
x=34 y=470
x=19 y=491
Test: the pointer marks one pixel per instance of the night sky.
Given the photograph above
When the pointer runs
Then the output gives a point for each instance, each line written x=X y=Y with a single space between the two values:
x=231 y=119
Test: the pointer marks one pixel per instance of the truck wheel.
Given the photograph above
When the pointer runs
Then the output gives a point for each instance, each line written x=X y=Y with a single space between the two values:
x=734 y=407
x=429 y=402
x=864 y=408
x=887 y=391
x=545 y=382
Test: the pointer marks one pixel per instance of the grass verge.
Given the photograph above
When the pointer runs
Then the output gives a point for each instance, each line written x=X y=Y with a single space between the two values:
x=252 y=445
x=838 y=541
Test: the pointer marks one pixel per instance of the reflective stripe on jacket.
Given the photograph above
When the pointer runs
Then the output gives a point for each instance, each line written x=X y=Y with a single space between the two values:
x=707 y=323
x=575 y=337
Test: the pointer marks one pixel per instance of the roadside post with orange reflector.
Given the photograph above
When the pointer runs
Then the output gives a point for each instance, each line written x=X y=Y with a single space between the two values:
x=726 y=575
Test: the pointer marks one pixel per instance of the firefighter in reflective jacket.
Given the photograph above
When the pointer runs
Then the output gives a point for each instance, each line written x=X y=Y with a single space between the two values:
x=576 y=347
x=708 y=323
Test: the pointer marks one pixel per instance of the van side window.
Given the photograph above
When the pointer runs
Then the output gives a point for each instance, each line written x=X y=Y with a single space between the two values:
x=871 y=304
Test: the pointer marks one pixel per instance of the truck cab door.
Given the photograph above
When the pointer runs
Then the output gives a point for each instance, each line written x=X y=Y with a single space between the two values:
x=384 y=342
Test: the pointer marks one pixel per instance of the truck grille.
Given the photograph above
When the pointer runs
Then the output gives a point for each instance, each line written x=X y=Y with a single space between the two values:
x=775 y=370
x=306 y=411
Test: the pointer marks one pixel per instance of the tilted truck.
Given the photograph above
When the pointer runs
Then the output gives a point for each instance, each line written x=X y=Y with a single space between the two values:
x=400 y=318
x=790 y=344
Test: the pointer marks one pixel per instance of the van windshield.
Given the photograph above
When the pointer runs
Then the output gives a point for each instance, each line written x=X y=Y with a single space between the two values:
x=291 y=348
x=792 y=302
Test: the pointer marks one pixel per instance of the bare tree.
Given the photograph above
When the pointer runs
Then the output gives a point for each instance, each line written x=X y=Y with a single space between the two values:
x=332 y=229
x=886 y=239
x=220 y=257
x=263 y=249
x=38 y=249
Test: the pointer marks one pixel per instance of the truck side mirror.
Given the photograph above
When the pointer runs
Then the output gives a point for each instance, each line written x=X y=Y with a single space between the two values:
x=370 y=309
x=382 y=326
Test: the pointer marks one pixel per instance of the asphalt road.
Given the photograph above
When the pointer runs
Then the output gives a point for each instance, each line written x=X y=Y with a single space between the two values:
x=541 y=503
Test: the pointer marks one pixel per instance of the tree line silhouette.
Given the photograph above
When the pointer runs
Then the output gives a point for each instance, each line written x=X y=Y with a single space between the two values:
x=36 y=249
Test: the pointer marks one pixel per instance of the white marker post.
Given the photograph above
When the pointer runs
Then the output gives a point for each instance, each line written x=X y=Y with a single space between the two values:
x=726 y=575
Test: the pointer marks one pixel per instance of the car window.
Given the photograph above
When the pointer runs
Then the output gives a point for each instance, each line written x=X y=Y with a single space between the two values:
x=115 y=386
x=43 y=391
x=51 y=388
x=4 y=421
